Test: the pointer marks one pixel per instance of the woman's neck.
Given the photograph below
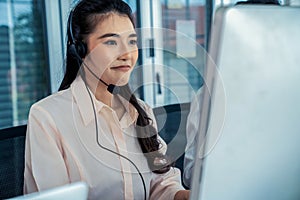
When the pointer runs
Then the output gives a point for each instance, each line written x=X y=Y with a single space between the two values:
x=107 y=98
x=103 y=95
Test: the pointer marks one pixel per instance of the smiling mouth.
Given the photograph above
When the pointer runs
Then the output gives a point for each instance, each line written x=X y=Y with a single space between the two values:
x=121 y=68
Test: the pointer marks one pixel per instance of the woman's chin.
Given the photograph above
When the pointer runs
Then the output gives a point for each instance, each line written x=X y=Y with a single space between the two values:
x=121 y=82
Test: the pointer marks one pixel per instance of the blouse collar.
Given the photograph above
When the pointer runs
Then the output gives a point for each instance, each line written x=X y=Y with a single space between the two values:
x=84 y=97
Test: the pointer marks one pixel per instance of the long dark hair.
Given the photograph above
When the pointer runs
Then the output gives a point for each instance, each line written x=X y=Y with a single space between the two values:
x=83 y=22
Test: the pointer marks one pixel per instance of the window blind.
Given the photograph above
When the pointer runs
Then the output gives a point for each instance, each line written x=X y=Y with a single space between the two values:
x=23 y=59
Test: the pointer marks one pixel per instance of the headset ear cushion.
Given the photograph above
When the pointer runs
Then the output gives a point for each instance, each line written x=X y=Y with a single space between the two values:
x=81 y=48
x=72 y=50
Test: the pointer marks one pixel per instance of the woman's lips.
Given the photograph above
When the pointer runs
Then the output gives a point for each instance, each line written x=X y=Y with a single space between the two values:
x=123 y=68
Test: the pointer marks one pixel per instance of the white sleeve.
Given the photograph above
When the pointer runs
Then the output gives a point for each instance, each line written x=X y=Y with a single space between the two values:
x=44 y=164
x=165 y=186
x=192 y=130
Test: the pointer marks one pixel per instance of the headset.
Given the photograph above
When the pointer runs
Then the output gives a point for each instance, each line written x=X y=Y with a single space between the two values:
x=78 y=48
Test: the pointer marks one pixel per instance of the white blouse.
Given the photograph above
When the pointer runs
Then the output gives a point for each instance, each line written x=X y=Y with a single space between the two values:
x=62 y=147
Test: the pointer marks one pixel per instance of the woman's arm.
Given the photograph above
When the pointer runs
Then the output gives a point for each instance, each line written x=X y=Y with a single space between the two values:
x=44 y=164
x=166 y=186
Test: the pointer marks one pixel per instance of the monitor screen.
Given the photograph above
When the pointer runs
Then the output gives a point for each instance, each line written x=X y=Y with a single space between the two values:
x=252 y=140
x=74 y=191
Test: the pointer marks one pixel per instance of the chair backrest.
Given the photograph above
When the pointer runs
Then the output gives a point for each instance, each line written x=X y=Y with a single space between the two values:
x=12 y=146
x=171 y=122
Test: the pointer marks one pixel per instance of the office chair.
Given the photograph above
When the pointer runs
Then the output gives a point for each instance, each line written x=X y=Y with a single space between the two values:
x=171 y=123
x=12 y=146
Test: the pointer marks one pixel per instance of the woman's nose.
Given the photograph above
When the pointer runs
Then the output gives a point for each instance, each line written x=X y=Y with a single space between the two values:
x=125 y=54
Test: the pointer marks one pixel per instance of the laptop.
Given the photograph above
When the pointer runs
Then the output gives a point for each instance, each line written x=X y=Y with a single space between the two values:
x=74 y=191
x=249 y=146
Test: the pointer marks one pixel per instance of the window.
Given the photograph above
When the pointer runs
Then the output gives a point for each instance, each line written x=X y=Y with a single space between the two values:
x=23 y=60
x=178 y=37
x=181 y=16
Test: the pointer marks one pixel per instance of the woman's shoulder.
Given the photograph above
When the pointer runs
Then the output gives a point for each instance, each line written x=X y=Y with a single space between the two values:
x=57 y=99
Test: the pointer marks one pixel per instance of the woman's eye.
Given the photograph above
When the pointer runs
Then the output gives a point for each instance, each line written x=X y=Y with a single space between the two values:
x=133 y=42
x=110 y=42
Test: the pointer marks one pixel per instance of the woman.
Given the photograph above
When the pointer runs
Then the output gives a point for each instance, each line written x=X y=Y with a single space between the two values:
x=89 y=131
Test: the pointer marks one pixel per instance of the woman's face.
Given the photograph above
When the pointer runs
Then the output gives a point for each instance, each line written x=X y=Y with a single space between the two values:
x=113 y=48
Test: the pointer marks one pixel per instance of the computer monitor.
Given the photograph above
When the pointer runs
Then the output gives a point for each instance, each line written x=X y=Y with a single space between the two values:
x=74 y=191
x=252 y=143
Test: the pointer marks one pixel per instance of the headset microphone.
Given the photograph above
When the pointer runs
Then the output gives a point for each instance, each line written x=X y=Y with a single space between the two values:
x=113 y=89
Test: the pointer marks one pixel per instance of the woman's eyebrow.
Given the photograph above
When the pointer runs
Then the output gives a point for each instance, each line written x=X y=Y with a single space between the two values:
x=133 y=35
x=109 y=35
x=115 y=35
